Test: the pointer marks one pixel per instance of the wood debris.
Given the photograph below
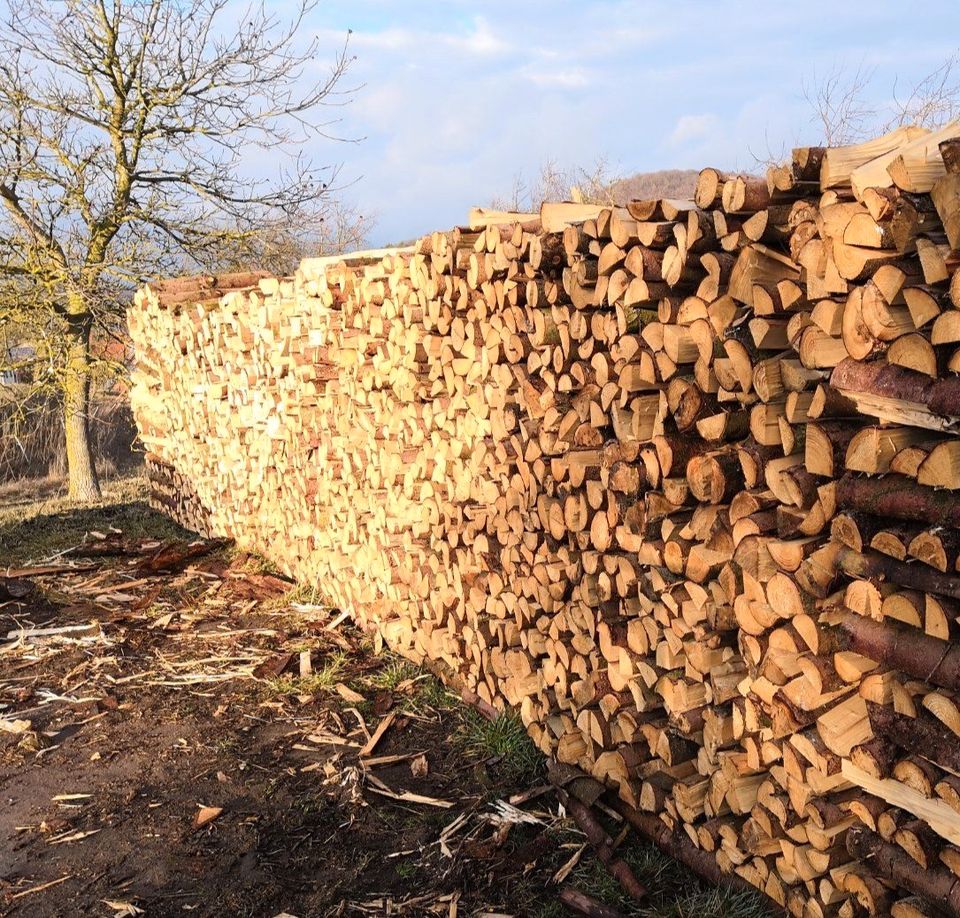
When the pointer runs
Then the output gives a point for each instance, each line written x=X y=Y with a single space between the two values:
x=205 y=815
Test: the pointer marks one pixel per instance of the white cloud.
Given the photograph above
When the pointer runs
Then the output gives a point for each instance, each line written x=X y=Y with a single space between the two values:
x=564 y=77
x=692 y=127
x=481 y=40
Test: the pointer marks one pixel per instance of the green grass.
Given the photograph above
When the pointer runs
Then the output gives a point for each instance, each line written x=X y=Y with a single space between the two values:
x=433 y=695
x=34 y=528
x=394 y=671
x=425 y=697
x=673 y=890
x=300 y=594
x=504 y=739
x=252 y=563
x=320 y=680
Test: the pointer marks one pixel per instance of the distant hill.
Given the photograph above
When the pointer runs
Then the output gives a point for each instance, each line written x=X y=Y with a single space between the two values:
x=666 y=183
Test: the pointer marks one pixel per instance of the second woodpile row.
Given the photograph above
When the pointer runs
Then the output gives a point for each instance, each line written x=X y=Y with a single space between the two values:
x=679 y=482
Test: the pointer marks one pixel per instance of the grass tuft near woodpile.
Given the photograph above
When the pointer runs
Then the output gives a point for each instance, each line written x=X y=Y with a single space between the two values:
x=504 y=740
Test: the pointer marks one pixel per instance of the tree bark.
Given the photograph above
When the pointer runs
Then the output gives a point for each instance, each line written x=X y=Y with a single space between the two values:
x=678 y=846
x=580 y=902
x=603 y=845
x=941 y=396
x=874 y=565
x=81 y=469
x=14 y=588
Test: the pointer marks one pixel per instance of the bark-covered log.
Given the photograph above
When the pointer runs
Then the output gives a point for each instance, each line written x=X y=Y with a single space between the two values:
x=921 y=733
x=603 y=845
x=899 y=497
x=896 y=646
x=15 y=588
x=941 y=396
x=872 y=565
x=938 y=886
x=578 y=901
x=678 y=845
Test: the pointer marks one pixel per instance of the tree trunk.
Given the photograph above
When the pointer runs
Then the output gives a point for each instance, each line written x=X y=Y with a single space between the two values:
x=82 y=473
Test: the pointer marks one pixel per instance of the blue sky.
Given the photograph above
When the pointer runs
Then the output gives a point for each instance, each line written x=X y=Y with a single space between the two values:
x=459 y=97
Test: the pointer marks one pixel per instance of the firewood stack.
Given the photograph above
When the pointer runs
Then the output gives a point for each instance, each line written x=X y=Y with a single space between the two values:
x=677 y=481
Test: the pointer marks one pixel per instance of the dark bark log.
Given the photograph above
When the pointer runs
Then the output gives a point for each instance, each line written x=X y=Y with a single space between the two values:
x=950 y=152
x=603 y=845
x=753 y=458
x=938 y=742
x=15 y=588
x=899 y=497
x=941 y=396
x=880 y=378
x=829 y=402
x=896 y=646
x=675 y=451
x=872 y=565
x=674 y=843
x=446 y=674
x=855 y=529
x=937 y=886
x=175 y=556
x=580 y=902
x=876 y=757
x=678 y=846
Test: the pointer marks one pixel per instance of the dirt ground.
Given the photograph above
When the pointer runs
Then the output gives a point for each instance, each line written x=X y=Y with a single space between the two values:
x=208 y=739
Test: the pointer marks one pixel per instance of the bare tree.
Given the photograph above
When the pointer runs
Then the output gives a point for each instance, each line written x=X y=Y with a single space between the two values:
x=933 y=101
x=837 y=99
x=553 y=182
x=841 y=104
x=279 y=247
x=125 y=126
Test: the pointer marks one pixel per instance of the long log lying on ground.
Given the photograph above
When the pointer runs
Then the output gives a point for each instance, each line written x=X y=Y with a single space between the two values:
x=603 y=845
x=675 y=844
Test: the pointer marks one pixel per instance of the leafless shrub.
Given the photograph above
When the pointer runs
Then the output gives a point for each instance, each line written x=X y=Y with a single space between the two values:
x=31 y=435
x=842 y=106
x=554 y=182
x=933 y=101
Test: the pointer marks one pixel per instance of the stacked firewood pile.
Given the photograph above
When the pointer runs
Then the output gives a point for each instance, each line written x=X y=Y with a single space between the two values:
x=677 y=481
